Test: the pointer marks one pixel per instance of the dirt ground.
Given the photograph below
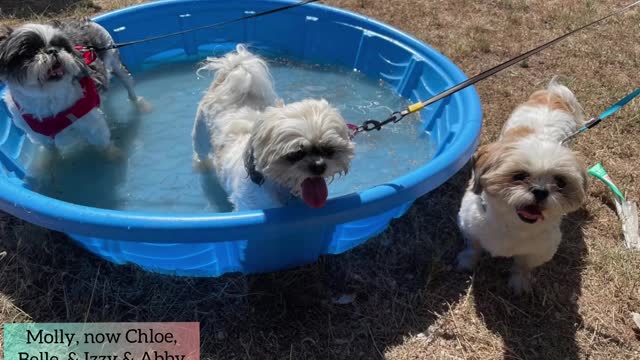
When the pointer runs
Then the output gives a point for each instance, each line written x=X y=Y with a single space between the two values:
x=410 y=302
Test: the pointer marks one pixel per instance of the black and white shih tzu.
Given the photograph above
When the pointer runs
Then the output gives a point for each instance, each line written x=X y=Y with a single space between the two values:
x=54 y=79
x=263 y=151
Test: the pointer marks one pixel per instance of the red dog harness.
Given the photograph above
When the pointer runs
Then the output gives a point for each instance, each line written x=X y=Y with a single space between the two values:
x=53 y=125
x=89 y=54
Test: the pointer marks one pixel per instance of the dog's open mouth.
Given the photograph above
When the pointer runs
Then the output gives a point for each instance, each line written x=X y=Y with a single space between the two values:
x=314 y=192
x=530 y=214
x=56 y=72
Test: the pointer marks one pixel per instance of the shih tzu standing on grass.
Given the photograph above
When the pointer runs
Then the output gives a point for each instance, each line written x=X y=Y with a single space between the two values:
x=54 y=78
x=262 y=150
x=523 y=184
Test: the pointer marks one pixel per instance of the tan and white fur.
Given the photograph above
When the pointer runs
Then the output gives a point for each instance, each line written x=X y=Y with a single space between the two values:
x=523 y=184
x=241 y=129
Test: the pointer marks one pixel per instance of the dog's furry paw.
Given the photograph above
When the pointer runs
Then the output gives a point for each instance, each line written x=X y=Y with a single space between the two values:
x=114 y=153
x=467 y=259
x=39 y=173
x=40 y=165
x=520 y=283
x=142 y=105
x=202 y=165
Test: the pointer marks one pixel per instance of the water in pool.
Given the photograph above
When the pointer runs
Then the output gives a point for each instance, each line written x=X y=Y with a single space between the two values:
x=156 y=174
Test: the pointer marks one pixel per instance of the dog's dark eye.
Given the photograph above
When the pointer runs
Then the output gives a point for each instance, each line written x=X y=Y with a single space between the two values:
x=60 y=42
x=520 y=176
x=295 y=156
x=560 y=181
x=27 y=53
x=326 y=151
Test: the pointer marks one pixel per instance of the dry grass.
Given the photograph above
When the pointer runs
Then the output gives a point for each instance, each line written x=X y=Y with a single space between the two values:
x=409 y=302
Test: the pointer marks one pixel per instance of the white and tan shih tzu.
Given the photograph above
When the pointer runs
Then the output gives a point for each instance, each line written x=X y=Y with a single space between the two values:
x=266 y=153
x=523 y=184
x=54 y=80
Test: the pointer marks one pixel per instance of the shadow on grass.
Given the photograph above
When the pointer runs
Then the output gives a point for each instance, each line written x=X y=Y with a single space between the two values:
x=399 y=282
x=25 y=9
x=542 y=325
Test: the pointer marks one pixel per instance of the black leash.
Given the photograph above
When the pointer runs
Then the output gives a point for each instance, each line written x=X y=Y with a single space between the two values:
x=221 y=23
x=371 y=124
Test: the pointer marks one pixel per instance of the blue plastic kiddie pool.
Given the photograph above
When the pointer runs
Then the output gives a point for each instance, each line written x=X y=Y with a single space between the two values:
x=212 y=244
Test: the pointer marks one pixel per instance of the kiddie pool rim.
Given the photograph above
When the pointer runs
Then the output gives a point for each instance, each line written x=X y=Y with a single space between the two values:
x=169 y=228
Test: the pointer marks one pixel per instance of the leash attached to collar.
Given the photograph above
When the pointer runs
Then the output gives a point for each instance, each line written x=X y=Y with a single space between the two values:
x=371 y=124
x=218 y=24
x=88 y=54
x=610 y=111
x=250 y=165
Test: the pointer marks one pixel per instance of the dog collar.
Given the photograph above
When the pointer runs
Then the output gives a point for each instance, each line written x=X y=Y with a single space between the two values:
x=284 y=196
x=89 y=54
x=53 y=125
x=250 y=165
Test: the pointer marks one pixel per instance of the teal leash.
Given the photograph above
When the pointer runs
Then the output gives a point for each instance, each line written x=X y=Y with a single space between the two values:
x=610 y=111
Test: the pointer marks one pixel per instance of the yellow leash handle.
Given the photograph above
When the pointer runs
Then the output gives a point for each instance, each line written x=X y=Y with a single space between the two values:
x=415 y=107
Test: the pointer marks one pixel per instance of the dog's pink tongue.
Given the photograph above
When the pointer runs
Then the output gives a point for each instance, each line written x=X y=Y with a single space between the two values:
x=314 y=192
x=58 y=70
x=531 y=213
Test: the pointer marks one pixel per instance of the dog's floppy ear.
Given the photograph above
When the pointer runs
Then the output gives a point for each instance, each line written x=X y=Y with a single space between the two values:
x=583 y=174
x=484 y=159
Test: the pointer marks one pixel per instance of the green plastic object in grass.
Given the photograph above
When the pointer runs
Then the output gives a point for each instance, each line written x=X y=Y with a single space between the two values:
x=599 y=172
x=627 y=210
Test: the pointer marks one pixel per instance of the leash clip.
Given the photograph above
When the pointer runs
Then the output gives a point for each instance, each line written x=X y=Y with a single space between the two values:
x=354 y=130
x=395 y=117
x=371 y=124
x=88 y=53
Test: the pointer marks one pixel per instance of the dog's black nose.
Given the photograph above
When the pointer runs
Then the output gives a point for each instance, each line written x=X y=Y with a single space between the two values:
x=317 y=167
x=540 y=194
x=52 y=51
